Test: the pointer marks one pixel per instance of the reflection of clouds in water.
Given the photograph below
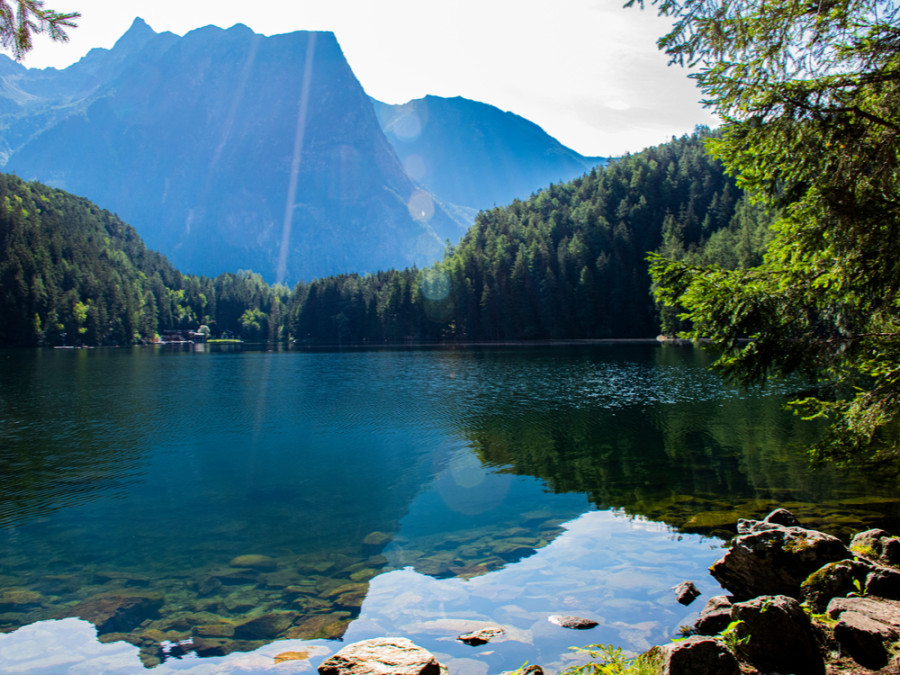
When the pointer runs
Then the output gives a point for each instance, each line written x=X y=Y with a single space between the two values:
x=71 y=646
x=616 y=570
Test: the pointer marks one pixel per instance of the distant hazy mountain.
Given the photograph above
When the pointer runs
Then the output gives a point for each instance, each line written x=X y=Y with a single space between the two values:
x=475 y=155
x=226 y=150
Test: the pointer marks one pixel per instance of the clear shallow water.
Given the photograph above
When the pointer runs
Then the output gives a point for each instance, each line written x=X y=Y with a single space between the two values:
x=390 y=492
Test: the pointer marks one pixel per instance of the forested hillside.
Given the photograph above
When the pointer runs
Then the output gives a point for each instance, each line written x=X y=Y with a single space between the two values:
x=72 y=272
x=568 y=263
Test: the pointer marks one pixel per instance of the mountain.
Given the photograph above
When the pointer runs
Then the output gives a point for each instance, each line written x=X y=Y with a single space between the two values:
x=226 y=150
x=475 y=155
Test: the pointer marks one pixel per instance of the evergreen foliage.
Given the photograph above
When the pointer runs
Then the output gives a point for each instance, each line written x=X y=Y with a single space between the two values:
x=73 y=273
x=21 y=19
x=810 y=93
x=567 y=263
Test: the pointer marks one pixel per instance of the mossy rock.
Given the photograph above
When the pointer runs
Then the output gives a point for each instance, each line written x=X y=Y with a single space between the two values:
x=833 y=580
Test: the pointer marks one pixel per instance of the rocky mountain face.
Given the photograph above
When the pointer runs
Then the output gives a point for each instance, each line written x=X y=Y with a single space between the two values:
x=226 y=150
x=476 y=155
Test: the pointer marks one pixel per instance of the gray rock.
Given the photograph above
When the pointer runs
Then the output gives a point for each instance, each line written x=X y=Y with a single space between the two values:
x=866 y=627
x=698 y=655
x=777 y=636
x=378 y=656
x=890 y=551
x=782 y=517
x=775 y=561
x=481 y=636
x=880 y=609
x=686 y=592
x=714 y=617
x=865 y=639
x=883 y=582
x=573 y=622
x=778 y=518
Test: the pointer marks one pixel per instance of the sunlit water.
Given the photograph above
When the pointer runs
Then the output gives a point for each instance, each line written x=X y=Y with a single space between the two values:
x=419 y=493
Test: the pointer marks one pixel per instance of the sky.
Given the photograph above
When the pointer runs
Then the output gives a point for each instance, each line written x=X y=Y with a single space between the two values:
x=587 y=71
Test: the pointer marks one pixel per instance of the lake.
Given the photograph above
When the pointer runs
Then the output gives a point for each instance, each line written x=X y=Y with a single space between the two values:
x=208 y=510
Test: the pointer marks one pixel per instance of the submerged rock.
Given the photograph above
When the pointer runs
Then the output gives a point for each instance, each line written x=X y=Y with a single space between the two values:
x=321 y=626
x=379 y=656
x=266 y=627
x=255 y=561
x=573 y=622
x=375 y=541
x=19 y=599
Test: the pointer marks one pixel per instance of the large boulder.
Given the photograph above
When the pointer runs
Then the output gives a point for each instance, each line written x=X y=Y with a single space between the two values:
x=866 y=628
x=698 y=655
x=382 y=656
x=776 y=635
x=775 y=560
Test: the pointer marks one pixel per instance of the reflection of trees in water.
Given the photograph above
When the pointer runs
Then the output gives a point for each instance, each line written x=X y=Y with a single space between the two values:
x=697 y=466
x=55 y=452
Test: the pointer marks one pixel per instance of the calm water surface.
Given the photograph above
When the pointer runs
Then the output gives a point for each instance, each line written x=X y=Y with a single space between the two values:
x=208 y=511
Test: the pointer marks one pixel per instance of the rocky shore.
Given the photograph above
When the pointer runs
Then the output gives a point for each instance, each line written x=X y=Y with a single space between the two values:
x=800 y=601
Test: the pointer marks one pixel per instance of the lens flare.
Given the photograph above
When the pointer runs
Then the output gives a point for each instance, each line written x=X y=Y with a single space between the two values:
x=415 y=167
x=421 y=206
x=434 y=284
x=406 y=124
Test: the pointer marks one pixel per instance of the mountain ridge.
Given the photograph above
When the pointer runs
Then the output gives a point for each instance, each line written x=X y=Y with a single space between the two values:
x=201 y=159
x=474 y=154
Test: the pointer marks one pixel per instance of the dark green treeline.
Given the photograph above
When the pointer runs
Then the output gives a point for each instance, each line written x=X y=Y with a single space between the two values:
x=567 y=263
x=72 y=272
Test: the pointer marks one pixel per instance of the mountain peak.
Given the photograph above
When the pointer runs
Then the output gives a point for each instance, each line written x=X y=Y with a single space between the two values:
x=136 y=36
